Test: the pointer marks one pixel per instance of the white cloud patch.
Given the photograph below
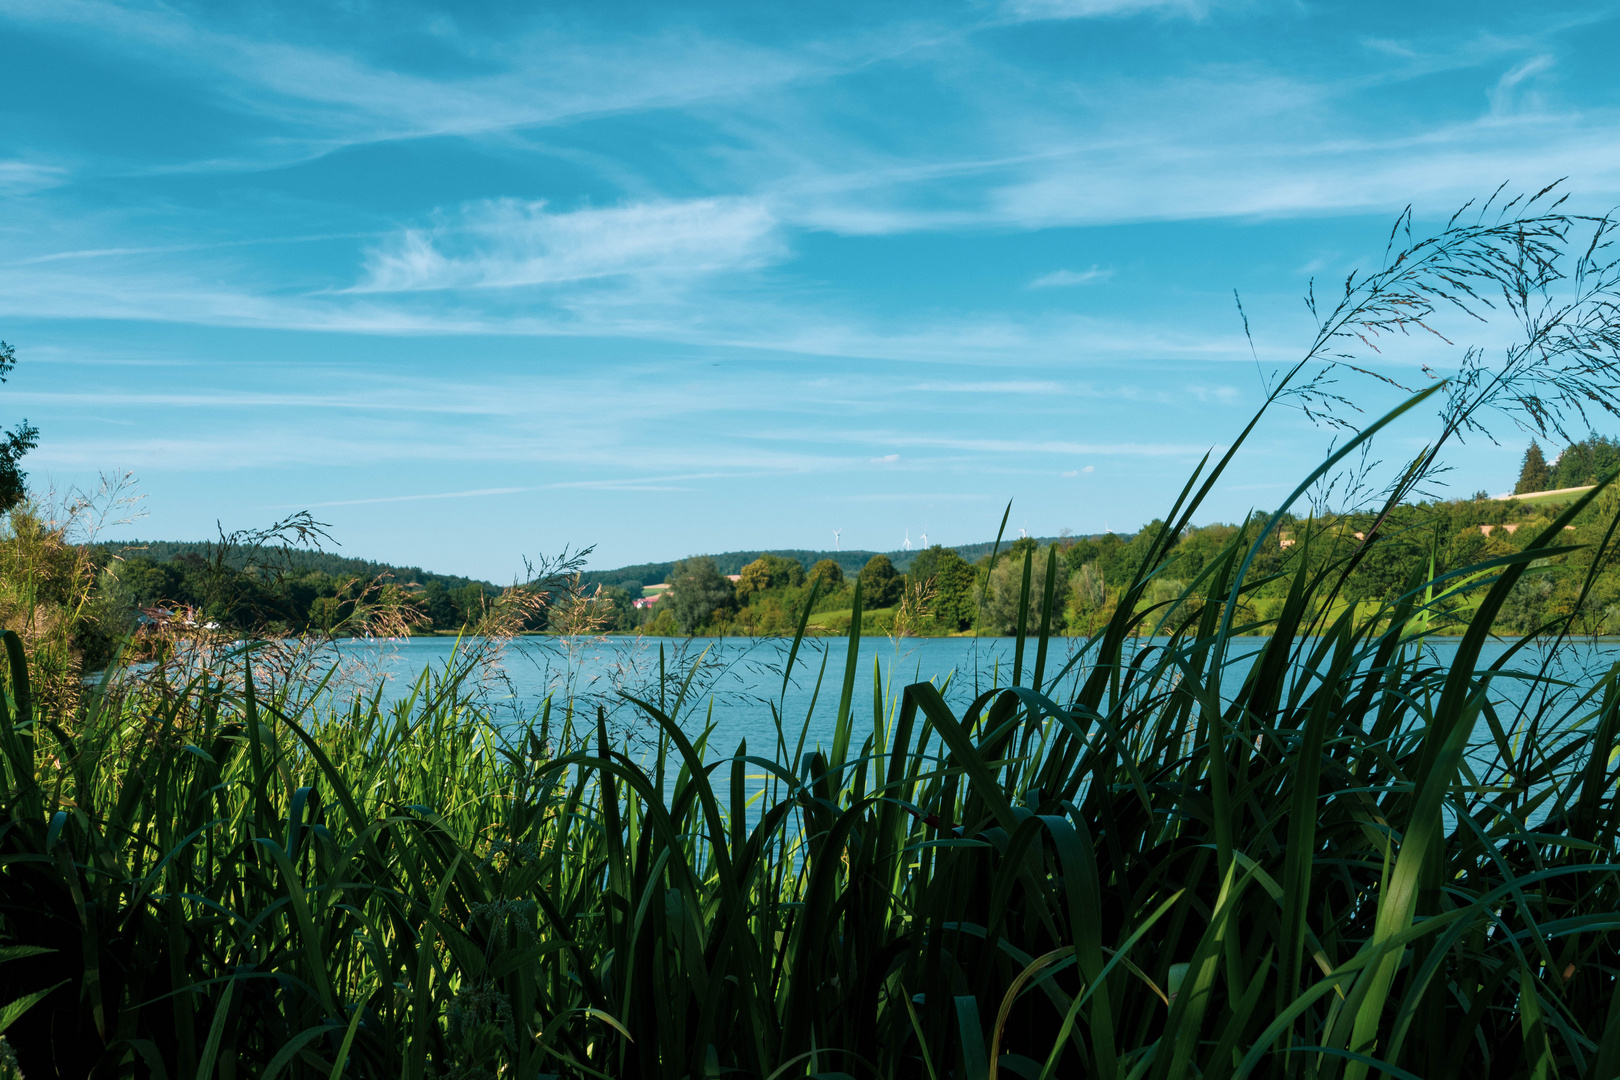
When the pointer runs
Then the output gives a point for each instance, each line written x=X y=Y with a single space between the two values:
x=1062 y=278
x=1390 y=47
x=1043 y=446
x=1092 y=9
x=1007 y=386
x=1514 y=91
x=26 y=177
x=505 y=243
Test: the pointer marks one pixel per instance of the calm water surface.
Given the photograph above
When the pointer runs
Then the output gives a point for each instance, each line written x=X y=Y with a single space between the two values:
x=735 y=683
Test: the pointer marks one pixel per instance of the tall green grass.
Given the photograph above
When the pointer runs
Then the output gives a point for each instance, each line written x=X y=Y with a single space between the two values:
x=1153 y=861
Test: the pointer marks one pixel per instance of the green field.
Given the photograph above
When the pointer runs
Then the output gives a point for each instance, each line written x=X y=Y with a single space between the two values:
x=1552 y=498
x=843 y=615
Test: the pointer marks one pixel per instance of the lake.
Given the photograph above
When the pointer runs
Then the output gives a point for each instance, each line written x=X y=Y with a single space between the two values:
x=736 y=681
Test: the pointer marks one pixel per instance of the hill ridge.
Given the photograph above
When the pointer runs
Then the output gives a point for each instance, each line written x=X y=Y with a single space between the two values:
x=648 y=573
x=851 y=561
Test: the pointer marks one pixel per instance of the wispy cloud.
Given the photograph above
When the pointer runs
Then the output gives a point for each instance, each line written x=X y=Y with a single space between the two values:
x=473 y=493
x=1390 y=47
x=507 y=243
x=1042 y=446
x=640 y=293
x=1006 y=386
x=366 y=401
x=331 y=96
x=1091 y=9
x=1188 y=178
x=493 y=492
x=1225 y=395
x=1061 y=278
x=911 y=496
x=26 y=177
x=1511 y=93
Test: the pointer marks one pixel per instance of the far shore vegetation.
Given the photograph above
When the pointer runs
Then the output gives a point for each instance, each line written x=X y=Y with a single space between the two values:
x=280 y=581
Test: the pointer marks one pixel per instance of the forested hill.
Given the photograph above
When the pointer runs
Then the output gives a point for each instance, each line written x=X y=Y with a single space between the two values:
x=293 y=559
x=340 y=566
x=732 y=562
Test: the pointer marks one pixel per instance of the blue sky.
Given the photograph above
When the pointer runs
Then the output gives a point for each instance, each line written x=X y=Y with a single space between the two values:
x=473 y=282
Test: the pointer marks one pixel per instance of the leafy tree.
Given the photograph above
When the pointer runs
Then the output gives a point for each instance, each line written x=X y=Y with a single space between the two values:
x=753 y=578
x=1107 y=551
x=1090 y=588
x=468 y=602
x=13 y=445
x=880 y=583
x=768 y=572
x=1533 y=474
x=435 y=601
x=148 y=583
x=1007 y=586
x=785 y=571
x=1526 y=606
x=698 y=590
x=953 y=582
x=623 y=605
x=828 y=572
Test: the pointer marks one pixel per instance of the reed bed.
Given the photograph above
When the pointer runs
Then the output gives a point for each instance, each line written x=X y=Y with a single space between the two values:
x=1154 y=862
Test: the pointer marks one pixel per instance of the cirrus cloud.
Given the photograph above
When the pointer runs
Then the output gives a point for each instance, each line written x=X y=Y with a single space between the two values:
x=504 y=243
x=1059 y=278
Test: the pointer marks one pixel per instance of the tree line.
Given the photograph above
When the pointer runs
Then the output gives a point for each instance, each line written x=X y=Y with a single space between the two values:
x=299 y=600
x=943 y=593
x=1581 y=464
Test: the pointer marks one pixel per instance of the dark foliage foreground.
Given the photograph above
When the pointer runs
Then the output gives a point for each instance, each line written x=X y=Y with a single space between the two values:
x=1155 y=862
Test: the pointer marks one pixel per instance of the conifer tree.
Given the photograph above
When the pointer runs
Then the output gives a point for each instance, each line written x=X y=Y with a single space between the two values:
x=1534 y=474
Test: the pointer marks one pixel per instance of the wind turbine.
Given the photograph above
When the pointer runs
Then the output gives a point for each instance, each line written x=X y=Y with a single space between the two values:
x=907 y=546
x=1023 y=532
x=835 y=539
x=924 y=539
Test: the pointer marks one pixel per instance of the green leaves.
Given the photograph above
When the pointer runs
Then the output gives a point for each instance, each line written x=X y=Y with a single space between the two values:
x=12 y=1011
